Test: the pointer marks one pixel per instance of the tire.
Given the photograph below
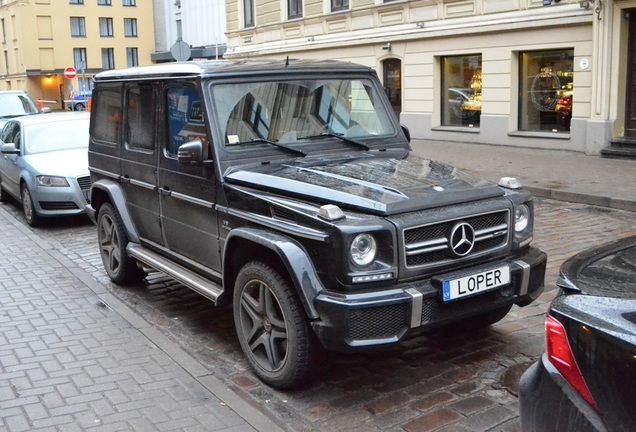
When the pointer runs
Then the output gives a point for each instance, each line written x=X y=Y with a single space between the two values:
x=79 y=107
x=30 y=213
x=4 y=195
x=272 y=328
x=112 y=240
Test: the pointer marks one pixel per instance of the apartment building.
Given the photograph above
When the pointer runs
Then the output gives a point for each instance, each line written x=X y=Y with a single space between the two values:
x=554 y=74
x=40 y=39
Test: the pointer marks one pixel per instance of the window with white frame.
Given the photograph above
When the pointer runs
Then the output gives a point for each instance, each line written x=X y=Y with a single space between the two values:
x=106 y=27
x=132 y=57
x=294 y=9
x=130 y=27
x=75 y=1
x=78 y=27
x=108 y=58
x=129 y=3
x=79 y=58
x=248 y=13
x=338 y=5
x=103 y=2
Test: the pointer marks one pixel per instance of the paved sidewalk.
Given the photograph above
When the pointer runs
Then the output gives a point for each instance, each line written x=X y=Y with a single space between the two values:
x=74 y=358
x=556 y=174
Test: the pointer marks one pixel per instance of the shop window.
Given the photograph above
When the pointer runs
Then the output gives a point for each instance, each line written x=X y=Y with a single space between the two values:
x=545 y=102
x=461 y=90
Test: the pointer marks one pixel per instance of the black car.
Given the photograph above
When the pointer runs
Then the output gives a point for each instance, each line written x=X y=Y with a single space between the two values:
x=586 y=381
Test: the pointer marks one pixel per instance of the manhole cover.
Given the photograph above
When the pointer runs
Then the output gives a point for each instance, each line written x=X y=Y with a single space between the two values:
x=510 y=378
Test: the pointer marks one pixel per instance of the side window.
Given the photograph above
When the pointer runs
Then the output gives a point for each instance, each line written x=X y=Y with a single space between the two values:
x=107 y=105
x=140 y=118
x=11 y=134
x=185 y=117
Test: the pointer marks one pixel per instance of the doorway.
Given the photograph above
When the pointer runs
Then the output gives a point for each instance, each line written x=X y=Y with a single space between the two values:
x=392 y=79
x=630 y=109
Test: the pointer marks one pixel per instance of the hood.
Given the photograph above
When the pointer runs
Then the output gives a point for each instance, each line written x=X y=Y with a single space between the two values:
x=65 y=163
x=381 y=183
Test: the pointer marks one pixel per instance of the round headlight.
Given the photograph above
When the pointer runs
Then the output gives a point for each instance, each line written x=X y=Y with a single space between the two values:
x=363 y=249
x=522 y=217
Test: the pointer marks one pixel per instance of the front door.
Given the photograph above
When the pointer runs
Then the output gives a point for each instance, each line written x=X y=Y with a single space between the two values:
x=187 y=191
x=630 y=111
x=392 y=73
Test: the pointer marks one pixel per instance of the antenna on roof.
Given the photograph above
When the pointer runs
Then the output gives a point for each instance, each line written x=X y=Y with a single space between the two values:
x=287 y=61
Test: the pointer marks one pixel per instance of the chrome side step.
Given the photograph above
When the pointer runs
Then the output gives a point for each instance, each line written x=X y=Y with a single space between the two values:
x=179 y=273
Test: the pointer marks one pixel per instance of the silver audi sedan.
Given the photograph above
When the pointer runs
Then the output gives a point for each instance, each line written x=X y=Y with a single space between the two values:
x=44 y=164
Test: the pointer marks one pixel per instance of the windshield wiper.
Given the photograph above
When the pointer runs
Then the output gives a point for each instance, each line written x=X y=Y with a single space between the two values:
x=340 y=137
x=275 y=144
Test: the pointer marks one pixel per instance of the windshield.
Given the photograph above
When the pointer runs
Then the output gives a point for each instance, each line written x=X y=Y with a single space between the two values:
x=296 y=113
x=13 y=105
x=61 y=135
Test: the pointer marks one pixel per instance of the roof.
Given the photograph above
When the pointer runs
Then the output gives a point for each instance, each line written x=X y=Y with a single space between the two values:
x=210 y=68
x=52 y=117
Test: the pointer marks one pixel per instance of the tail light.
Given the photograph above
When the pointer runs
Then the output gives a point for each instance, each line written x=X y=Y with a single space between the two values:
x=560 y=355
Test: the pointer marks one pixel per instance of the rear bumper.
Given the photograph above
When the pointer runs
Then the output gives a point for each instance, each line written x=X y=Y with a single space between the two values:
x=351 y=322
x=548 y=403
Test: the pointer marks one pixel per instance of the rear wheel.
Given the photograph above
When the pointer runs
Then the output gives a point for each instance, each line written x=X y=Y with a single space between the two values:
x=272 y=328
x=79 y=107
x=30 y=213
x=112 y=239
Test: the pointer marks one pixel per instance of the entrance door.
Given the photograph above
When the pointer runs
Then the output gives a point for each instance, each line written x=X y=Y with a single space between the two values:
x=630 y=110
x=392 y=74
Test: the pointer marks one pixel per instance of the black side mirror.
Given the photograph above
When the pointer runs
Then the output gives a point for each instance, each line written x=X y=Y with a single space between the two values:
x=191 y=151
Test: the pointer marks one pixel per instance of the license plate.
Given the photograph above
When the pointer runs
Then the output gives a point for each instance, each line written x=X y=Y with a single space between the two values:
x=478 y=283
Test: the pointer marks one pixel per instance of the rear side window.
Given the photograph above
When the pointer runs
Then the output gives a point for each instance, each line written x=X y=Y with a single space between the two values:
x=107 y=107
x=140 y=114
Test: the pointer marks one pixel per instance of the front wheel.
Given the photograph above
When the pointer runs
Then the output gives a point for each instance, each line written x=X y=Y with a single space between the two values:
x=272 y=328
x=112 y=239
x=30 y=213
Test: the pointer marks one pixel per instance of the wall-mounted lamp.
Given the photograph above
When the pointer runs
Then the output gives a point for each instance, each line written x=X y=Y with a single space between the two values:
x=310 y=39
x=549 y=2
x=387 y=47
x=420 y=25
x=586 y=4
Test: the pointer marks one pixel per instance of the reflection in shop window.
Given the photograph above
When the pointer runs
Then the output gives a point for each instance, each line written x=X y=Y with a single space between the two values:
x=546 y=91
x=461 y=91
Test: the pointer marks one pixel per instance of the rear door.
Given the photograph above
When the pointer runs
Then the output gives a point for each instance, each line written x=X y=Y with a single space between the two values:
x=187 y=191
x=9 y=169
x=139 y=160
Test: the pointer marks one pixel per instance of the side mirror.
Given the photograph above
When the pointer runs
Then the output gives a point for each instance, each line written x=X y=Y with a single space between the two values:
x=191 y=151
x=9 y=148
x=46 y=110
x=407 y=133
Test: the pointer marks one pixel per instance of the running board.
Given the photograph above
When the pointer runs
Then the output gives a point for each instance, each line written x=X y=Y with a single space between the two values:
x=179 y=273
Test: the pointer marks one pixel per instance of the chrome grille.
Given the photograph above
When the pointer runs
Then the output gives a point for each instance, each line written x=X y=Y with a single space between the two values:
x=428 y=245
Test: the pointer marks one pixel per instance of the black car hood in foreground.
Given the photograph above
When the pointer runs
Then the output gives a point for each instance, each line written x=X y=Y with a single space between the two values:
x=376 y=182
x=608 y=270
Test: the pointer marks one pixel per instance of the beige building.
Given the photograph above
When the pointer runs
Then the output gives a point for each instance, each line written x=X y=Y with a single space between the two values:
x=42 y=38
x=550 y=74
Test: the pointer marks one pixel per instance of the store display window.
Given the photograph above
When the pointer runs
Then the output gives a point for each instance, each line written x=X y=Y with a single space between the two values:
x=545 y=102
x=461 y=90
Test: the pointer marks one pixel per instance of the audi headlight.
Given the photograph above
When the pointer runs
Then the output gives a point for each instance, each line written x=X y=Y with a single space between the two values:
x=363 y=249
x=522 y=217
x=51 y=181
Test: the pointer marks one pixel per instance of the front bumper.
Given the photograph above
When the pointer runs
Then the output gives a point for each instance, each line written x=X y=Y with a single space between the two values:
x=351 y=322
x=547 y=402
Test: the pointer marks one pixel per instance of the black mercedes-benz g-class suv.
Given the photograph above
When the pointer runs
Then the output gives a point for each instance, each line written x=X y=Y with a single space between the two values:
x=288 y=189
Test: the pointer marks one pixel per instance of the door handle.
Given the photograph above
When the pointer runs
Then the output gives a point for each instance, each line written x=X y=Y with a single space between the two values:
x=165 y=191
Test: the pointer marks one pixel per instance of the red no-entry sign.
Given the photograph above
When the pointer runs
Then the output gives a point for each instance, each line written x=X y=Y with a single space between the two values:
x=70 y=72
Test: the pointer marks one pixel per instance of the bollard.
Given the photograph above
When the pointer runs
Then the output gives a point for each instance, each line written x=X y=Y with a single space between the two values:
x=89 y=102
x=39 y=104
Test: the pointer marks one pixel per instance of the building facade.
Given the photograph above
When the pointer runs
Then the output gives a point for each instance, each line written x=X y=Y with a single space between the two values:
x=40 y=39
x=199 y=24
x=550 y=74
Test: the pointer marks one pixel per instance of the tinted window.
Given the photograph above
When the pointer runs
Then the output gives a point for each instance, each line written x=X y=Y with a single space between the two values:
x=140 y=109
x=185 y=117
x=107 y=106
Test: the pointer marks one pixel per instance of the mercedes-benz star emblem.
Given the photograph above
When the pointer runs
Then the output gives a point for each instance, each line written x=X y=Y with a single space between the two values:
x=462 y=239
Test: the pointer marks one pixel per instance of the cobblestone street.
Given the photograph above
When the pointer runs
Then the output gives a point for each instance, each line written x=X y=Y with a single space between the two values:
x=451 y=381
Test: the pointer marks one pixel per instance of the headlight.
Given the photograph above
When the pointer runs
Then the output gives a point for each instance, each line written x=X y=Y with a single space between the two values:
x=522 y=217
x=49 y=181
x=363 y=249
